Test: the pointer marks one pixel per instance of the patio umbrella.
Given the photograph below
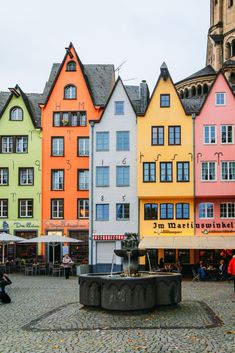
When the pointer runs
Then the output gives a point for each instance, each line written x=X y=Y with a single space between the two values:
x=7 y=238
x=52 y=240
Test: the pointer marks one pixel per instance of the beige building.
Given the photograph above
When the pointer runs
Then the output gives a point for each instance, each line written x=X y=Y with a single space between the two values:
x=220 y=51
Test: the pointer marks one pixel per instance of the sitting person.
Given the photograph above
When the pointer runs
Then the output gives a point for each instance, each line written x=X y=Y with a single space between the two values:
x=161 y=263
x=202 y=271
x=4 y=281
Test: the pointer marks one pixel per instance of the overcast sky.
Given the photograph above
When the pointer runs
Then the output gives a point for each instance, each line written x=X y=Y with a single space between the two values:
x=144 y=33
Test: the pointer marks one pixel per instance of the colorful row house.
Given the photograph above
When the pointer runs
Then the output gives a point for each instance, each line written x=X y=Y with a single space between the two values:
x=215 y=164
x=75 y=94
x=20 y=168
x=165 y=168
x=113 y=195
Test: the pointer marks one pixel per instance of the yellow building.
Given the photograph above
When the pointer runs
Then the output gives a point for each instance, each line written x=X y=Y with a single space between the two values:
x=165 y=169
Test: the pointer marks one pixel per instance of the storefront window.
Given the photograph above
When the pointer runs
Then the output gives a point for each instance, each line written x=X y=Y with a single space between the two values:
x=184 y=256
x=79 y=252
x=170 y=255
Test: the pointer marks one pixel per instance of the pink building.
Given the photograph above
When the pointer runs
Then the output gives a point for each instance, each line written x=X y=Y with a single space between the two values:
x=215 y=162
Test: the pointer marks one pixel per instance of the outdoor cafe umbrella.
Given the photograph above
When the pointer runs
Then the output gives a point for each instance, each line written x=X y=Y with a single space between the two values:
x=7 y=238
x=52 y=240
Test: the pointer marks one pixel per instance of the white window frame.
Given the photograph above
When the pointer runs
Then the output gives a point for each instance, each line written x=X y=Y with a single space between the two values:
x=56 y=176
x=9 y=142
x=204 y=135
x=219 y=104
x=83 y=146
x=3 y=208
x=26 y=215
x=226 y=126
x=57 y=143
x=227 y=204
x=209 y=181
x=2 y=175
x=27 y=176
x=57 y=210
x=227 y=162
x=20 y=142
x=206 y=212
x=83 y=204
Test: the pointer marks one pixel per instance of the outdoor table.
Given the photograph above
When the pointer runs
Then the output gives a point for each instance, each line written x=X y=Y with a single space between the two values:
x=212 y=274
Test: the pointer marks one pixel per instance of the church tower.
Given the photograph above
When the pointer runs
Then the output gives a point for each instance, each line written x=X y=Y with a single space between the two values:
x=221 y=38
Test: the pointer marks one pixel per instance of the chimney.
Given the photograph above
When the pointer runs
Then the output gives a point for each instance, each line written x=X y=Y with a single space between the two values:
x=144 y=96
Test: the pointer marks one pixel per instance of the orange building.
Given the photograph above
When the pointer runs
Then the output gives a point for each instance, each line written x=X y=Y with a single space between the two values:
x=75 y=94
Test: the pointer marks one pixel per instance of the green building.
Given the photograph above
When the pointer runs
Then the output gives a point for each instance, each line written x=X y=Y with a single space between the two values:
x=20 y=168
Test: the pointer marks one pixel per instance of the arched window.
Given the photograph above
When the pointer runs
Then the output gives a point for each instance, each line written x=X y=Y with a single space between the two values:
x=193 y=91
x=232 y=78
x=16 y=114
x=205 y=89
x=230 y=3
x=199 y=90
x=71 y=66
x=216 y=2
x=70 y=92
x=181 y=94
x=186 y=93
x=227 y=51
x=233 y=48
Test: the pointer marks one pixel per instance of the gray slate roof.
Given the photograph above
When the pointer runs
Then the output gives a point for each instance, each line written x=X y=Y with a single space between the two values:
x=134 y=95
x=100 y=78
x=33 y=99
x=229 y=63
x=193 y=105
x=206 y=71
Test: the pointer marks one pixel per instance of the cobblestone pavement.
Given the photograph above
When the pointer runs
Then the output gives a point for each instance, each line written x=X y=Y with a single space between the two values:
x=45 y=316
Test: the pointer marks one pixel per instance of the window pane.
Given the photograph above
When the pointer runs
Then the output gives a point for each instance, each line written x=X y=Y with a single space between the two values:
x=3 y=176
x=119 y=108
x=22 y=144
x=123 y=143
x=83 y=176
x=165 y=100
x=7 y=144
x=102 y=141
x=102 y=212
x=83 y=208
x=123 y=211
x=57 y=180
x=102 y=176
x=57 y=146
x=16 y=114
x=83 y=146
x=122 y=176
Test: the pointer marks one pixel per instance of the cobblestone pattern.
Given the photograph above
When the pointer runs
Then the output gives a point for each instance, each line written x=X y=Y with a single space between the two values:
x=35 y=301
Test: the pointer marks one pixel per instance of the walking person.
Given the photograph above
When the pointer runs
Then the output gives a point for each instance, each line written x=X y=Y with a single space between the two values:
x=67 y=263
x=231 y=269
x=4 y=281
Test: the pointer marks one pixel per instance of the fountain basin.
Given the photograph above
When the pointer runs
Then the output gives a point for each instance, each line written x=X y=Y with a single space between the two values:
x=130 y=293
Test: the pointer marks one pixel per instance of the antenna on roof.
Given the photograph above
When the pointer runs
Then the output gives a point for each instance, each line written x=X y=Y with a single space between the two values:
x=130 y=79
x=119 y=67
x=69 y=52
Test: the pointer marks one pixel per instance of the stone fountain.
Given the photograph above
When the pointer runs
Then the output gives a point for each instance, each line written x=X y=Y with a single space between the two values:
x=130 y=290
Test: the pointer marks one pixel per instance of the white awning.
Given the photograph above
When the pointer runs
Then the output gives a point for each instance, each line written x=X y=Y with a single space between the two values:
x=187 y=242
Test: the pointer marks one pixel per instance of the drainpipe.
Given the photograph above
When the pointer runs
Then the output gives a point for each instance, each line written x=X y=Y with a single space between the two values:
x=92 y=124
x=194 y=167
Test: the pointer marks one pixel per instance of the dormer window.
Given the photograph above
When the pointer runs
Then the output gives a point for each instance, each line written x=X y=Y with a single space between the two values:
x=220 y=98
x=119 y=108
x=71 y=66
x=164 y=100
x=70 y=92
x=16 y=114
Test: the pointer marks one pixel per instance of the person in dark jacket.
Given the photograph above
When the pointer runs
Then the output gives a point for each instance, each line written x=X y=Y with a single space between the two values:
x=4 y=281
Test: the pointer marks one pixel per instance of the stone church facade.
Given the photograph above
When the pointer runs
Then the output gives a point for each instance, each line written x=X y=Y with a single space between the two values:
x=220 y=52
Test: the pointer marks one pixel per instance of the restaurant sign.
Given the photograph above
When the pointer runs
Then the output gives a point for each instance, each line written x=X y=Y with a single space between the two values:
x=108 y=237
x=216 y=226
x=6 y=225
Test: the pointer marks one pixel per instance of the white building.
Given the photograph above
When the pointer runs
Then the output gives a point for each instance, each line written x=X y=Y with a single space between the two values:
x=113 y=170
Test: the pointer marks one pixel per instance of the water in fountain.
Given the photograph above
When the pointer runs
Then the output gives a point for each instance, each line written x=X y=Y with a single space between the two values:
x=112 y=266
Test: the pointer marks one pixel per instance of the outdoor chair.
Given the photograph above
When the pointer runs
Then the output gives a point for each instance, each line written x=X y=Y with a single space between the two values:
x=42 y=269
x=55 y=270
x=29 y=270
x=195 y=275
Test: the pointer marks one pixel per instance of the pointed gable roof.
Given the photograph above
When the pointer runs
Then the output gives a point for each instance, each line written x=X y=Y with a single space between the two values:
x=165 y=75
x=110 y=96
x=31 y=101
x=99 y=79
x=219 y=74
